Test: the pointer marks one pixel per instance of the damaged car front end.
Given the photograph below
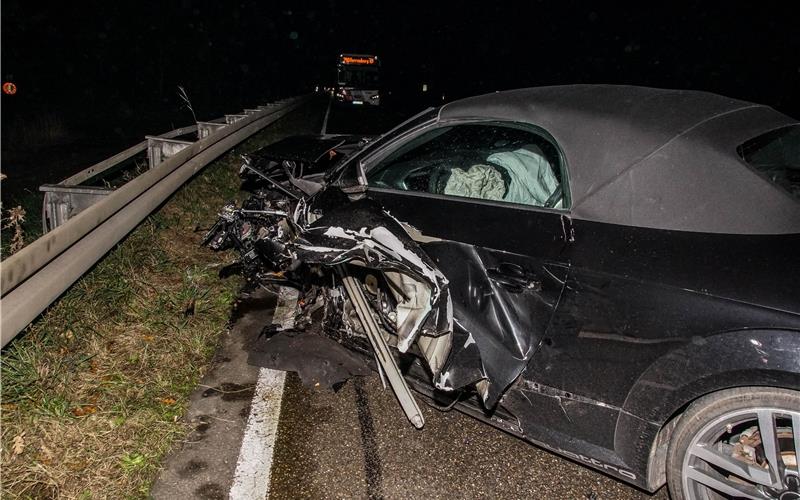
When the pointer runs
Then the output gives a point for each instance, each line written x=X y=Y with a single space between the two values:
x=355 y=266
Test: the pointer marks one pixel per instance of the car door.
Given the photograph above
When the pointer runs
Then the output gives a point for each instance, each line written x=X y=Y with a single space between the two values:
x=486 y=201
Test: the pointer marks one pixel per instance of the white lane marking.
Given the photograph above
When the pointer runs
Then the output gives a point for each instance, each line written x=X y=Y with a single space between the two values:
x=327 y=114
x=254 y=467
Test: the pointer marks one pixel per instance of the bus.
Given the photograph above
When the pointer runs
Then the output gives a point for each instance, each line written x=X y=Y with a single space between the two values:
x=358 y=80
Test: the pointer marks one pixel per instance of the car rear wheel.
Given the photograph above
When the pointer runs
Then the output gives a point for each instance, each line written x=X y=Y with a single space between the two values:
x=737 y=443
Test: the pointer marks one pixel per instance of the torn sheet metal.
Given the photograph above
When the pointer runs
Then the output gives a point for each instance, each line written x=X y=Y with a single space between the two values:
x=476 y=337
x=286 y=310
x=298 y=245
x=500 y=312
x=415 y=282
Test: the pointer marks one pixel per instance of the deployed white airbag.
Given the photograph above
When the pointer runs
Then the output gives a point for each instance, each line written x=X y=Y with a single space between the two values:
x=480 y=181
x=532 y=177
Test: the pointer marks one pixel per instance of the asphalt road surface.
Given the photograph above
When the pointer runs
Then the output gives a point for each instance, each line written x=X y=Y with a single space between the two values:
x=354 y=443
x=368 y=120
x=357 y=443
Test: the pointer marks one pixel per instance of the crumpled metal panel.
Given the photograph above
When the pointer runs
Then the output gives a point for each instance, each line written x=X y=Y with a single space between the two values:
x=362 y=231
x=494 y=322
x=497 y=328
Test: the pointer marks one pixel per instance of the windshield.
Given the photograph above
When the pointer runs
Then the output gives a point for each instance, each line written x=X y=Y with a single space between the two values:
x=361 y=77
x=776 y=156
x=349 y=168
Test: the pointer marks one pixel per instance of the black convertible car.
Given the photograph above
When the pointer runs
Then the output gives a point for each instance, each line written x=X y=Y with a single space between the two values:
x=610 y=272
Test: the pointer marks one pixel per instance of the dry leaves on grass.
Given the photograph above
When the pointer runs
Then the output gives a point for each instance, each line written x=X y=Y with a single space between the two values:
x=16 y=216
x=82 y=411
x=45 y=455
x=18 y=444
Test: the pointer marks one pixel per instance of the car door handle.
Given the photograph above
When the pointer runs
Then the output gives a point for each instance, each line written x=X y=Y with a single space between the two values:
x=514 y=278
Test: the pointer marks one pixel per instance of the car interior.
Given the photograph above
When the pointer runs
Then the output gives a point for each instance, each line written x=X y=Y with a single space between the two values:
x=485 y=161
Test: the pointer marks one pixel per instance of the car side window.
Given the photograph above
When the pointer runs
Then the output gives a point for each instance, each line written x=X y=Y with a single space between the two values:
x=490 y=161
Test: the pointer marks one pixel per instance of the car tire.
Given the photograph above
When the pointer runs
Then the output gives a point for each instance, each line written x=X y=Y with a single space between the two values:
x=713 y=422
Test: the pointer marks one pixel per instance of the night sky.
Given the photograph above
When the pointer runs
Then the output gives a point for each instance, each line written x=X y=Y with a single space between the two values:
x=123 y=61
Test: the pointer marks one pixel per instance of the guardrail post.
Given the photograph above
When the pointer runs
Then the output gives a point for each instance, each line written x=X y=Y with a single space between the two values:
x=159 y=149
x=64 y=202
x=204 y=129
x=234 y=118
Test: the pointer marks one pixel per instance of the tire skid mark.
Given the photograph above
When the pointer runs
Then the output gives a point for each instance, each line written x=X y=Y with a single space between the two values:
x=372 y=461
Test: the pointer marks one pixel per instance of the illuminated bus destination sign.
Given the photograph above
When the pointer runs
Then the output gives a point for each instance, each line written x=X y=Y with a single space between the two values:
x=359 y=60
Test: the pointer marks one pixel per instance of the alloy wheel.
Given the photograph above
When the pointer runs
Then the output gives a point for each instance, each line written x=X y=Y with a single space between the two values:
x=751 y=453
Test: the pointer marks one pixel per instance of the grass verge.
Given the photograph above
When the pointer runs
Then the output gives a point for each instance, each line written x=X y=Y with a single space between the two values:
x=94 y=390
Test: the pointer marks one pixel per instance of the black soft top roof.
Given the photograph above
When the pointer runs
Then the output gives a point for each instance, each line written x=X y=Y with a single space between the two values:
x=652 y=157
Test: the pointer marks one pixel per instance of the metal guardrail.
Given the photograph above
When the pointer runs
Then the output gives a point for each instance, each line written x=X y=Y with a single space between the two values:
x=64 y=200
x=38 y=274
